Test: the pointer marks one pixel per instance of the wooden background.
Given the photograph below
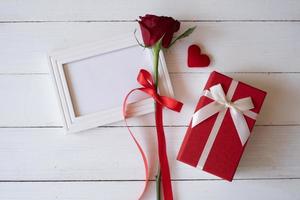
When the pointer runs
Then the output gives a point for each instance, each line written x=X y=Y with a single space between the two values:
x=254 y=41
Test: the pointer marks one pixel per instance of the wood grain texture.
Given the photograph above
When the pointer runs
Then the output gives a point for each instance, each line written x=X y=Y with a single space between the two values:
x=130 y=10
x=232 y=46
x=254 y=41
x=192 y=190
x=29 y=100
x=110 y=154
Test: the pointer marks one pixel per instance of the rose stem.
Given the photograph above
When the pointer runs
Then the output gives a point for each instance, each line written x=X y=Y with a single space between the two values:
x=156 y=50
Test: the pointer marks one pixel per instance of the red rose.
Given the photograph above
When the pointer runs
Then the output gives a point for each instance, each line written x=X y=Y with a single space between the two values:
x=154 y=27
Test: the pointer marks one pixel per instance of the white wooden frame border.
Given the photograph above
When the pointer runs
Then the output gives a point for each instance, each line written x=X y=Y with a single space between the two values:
x=74 y=124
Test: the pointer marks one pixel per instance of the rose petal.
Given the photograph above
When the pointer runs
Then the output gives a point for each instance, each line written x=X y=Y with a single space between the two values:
x=145 y=34
x=154 y=27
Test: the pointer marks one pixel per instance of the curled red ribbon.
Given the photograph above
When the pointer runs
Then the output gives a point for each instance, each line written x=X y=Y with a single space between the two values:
x=145 y=79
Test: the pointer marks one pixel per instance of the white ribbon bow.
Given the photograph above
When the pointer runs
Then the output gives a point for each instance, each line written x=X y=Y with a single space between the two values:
x=221 y=103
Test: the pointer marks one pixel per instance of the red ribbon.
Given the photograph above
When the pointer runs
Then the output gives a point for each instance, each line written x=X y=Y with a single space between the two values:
x=145 y=79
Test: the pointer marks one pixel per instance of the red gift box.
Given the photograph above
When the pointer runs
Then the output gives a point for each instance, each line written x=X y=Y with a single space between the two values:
x=221 y=125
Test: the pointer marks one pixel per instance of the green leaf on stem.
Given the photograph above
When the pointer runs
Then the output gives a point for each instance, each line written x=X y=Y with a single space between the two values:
x=183 y=35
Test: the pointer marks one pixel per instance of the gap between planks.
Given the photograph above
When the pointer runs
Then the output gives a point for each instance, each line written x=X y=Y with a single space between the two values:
x=120 y=21
x=141 y=180
x=132 y=126
x=175 y=73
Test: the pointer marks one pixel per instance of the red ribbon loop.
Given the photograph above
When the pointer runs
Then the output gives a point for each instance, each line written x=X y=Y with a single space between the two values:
x=145 y=79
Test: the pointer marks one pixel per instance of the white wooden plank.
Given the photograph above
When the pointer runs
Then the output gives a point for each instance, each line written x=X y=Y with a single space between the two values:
x=130 y=10
x=241 y=47
x=233 y=46
x=29 y=100
x=110 y=154
x=192 y=190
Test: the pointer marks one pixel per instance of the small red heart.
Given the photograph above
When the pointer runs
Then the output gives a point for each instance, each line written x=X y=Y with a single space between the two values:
x=195 y=58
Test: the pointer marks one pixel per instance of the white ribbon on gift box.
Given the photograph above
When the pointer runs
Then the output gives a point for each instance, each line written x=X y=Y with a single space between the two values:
x=221 y=103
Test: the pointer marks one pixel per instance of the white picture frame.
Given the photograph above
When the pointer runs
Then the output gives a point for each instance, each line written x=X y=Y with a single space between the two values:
x=77 y=111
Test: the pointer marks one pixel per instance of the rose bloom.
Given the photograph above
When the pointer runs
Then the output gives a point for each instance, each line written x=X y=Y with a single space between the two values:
x=154 y=27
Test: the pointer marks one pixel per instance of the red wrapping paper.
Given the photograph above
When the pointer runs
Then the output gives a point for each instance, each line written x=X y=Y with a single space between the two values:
x=227 y=149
